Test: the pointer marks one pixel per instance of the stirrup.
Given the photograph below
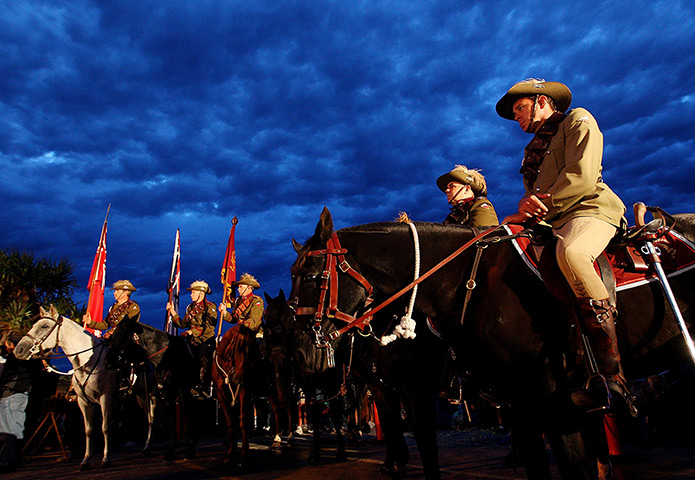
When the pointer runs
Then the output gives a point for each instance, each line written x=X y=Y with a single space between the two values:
x=596 y=395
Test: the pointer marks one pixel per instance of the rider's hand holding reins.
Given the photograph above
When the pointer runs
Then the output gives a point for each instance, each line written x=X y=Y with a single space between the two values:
x=530 y=206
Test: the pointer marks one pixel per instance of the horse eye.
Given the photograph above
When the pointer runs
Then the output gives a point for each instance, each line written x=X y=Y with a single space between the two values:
x=310 y=278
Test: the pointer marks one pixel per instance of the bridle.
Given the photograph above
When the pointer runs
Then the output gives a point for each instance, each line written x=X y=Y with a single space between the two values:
x=328 y=297
x=36 y=349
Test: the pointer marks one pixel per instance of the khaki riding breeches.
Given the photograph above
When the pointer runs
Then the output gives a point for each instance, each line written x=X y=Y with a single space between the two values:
x=579 y=242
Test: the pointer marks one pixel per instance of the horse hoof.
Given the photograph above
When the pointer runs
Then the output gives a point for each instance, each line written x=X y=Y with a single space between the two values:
x=106 y=464
x=341 y=456
x=84 y=466
x=146 y=452
x=276 y=444
x=398 y=472
x=385 y=470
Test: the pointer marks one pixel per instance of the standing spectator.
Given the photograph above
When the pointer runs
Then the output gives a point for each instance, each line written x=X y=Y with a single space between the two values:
x=15 y=385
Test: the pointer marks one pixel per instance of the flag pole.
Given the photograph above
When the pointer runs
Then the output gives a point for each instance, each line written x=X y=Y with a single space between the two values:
x=174 y=285
x=228 y=274
x=97 y=277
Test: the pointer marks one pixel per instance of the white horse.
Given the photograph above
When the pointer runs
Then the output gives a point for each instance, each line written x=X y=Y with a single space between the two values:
x=91 y=380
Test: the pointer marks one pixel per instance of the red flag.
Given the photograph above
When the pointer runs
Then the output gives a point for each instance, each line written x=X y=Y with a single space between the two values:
x=229 y=268
x=174 y=285
x=97 y=279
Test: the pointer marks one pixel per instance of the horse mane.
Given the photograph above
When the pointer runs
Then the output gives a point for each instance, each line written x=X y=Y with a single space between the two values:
x=234 y=340
x=392 y=227
x=685 y=225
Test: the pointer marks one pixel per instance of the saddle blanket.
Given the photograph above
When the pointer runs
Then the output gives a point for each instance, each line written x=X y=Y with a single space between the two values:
x=677 y=257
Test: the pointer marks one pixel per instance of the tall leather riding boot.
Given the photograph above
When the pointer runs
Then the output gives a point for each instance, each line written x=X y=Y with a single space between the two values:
x=599 y=319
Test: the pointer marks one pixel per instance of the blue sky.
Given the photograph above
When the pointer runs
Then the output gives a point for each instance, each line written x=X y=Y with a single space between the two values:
x=185 y=114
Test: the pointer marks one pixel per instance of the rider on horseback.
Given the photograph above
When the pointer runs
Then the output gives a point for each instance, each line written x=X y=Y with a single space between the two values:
x=200 y=320
x=247 y=310
x=121 y=314
x=466 y=192
x=565 y=189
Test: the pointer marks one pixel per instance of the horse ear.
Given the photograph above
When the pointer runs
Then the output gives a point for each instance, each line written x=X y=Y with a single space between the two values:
x=52 y=311
x=282 y=296
x=42 y=312
x=297 y=246
x=268 y=298
x=324 y=229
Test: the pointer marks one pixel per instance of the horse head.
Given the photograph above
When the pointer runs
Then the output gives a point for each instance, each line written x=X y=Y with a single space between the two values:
x=317 y=301
x=42 y=336
x=123 y=348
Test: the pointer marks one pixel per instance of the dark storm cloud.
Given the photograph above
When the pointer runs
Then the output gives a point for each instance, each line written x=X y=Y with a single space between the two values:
x=182 y=115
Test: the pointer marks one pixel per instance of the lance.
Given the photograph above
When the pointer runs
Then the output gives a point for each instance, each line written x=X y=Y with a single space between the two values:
x=652 y=254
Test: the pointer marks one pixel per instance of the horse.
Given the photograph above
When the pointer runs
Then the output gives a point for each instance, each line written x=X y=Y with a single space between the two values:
x=176 y=373
x=234 y=374
x=276 y=351
x=93 y=382
x=410 y=374
x=512 y=334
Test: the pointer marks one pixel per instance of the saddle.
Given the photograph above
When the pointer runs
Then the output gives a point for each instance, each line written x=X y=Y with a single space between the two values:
x=623 y=265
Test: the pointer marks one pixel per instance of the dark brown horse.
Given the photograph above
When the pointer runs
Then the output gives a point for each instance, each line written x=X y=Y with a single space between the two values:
x=232 y=375
x=513 y=333
x=276 y=350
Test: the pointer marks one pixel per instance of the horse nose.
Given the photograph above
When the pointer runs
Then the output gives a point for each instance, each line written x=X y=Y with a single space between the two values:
x=21 y=350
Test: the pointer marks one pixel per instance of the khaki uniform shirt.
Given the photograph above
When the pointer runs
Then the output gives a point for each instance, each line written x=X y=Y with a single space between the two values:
x=251 y=316
x=200 y=319
x=571 y=174
x=127 y=312
x=477 y=213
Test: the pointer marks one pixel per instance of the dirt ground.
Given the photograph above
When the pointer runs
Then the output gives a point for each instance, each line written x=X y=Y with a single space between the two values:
x=472 y=454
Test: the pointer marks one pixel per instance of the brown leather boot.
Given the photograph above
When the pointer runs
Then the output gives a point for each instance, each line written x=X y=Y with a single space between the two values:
x=598 y=317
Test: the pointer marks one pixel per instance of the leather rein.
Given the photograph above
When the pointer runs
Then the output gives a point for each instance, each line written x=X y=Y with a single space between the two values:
x=335 y=259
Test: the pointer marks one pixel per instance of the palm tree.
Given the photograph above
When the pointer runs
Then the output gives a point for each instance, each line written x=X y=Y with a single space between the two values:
x=27 y=282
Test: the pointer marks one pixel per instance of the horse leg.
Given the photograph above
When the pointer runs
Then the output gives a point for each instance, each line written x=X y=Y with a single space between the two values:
x=230 y=418
x=335 y=411
x=190 y=414
x=171 y=408
x=388 y=407
x=315 y=409
x=105 y=403
x=277 y=441
x=149 y=407
x=595 y=435
x=422 y=408
x=86 y=409
x=570 y=456
x=289 y=412
x=527 y=436
x=245 y=421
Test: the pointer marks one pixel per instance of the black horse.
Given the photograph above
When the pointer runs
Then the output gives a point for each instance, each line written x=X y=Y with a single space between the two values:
x=513 y=333
x=176 y=373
